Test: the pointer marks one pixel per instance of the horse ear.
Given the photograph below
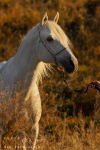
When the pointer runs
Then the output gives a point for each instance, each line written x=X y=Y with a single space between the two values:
x=56 y=18
x=45 y=19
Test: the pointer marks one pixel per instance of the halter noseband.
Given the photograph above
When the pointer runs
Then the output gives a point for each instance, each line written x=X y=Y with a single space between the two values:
x=54 y=55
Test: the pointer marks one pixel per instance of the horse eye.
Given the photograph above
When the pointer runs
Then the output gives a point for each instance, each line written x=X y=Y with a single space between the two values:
x=49 y=39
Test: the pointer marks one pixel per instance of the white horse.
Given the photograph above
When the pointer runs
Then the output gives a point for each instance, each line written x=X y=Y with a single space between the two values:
x=45 y=44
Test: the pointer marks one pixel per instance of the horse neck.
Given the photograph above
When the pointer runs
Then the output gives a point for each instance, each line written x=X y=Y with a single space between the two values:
x=26 y=60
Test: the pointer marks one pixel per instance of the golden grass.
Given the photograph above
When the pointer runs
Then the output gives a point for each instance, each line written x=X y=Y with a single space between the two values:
x=56 y=133
x=63 y=128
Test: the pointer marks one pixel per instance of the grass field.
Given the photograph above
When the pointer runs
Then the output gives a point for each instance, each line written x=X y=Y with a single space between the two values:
x=69 y=120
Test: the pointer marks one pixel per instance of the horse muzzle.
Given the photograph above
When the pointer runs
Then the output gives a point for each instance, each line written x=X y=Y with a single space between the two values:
x=67 y=61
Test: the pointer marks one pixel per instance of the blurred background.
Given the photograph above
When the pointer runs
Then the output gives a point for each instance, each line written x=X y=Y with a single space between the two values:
x=64 y=111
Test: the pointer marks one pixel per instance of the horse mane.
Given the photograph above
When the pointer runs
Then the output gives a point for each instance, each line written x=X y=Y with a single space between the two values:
x=60 y=34
x=41 y=71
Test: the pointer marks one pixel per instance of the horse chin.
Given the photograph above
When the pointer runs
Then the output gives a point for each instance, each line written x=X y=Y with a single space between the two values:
x=67 y=61
x=67 y=68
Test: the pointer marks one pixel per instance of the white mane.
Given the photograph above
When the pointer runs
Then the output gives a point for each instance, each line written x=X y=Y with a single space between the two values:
x=41 y=71
x=60 y=35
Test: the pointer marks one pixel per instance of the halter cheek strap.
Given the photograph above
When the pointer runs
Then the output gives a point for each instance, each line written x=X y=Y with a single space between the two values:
x=51 y=52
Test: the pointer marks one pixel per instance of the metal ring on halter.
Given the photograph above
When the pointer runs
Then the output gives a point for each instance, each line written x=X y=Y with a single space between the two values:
x=54 y=55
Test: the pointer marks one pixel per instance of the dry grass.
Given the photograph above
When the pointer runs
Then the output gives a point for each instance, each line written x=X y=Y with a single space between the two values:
x=59 y=128
x=69 y=133
x=79 y=139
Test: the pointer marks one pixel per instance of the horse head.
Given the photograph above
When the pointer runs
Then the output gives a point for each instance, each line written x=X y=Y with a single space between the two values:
x=54 y=45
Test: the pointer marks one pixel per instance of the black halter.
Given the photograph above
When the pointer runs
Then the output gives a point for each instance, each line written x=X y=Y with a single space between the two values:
x=54 y=56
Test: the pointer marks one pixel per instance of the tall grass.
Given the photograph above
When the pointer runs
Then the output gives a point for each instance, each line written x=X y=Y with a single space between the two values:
x=69 y=133
x=61 y=125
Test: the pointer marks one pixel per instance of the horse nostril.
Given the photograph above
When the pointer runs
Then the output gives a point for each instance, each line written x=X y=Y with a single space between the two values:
x=71 y=63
